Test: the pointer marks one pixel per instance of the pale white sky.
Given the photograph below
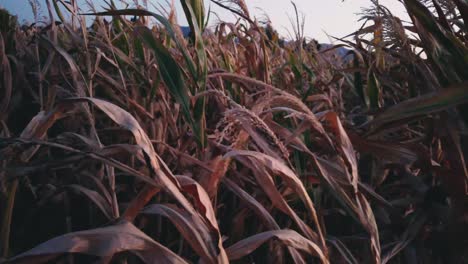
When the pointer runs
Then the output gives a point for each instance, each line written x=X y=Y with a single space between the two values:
x=322 y=17
x=335 y=17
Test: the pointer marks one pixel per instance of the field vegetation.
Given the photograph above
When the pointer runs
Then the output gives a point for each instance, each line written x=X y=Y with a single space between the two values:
x=122 y=141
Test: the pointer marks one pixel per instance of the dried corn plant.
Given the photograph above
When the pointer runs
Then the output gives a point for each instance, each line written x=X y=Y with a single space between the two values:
x=124 y=142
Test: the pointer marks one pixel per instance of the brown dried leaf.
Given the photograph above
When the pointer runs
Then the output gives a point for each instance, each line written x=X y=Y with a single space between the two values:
x=126 y=120
x=262 y=212
x=190 y=228
x=269 y=187
x=101 y=242
x=288 y=237
x=279 y=168
x=345 y=147
x=204 y=206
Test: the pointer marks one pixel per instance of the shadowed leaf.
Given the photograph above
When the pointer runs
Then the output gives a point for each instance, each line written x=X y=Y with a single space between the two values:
x=287 y=237
x=101 y=242
x=424 y=105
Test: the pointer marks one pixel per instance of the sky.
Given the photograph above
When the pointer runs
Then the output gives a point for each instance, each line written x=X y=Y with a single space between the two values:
x=323 y=18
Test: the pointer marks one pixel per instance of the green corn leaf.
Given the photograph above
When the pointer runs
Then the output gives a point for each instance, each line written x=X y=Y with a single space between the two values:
x=170 y=72
x=194 y=10
x=198 y=73
x=195 y=13
x=58 y=11
x=358 y=80
x=373 y=90
x=167 y=25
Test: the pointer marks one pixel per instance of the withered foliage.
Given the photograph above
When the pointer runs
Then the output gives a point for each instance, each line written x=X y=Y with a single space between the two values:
x=124 y=142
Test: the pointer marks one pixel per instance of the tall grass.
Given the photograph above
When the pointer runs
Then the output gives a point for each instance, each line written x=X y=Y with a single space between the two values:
x=125 y=142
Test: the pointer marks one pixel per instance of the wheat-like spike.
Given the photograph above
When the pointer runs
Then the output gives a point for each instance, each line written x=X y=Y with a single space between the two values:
x=250 y=121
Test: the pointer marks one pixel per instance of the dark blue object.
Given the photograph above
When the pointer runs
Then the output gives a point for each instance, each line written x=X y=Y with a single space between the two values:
x=185 y=31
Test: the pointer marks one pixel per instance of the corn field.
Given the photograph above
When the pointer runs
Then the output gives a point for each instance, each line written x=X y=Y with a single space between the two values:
x=124 y=141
